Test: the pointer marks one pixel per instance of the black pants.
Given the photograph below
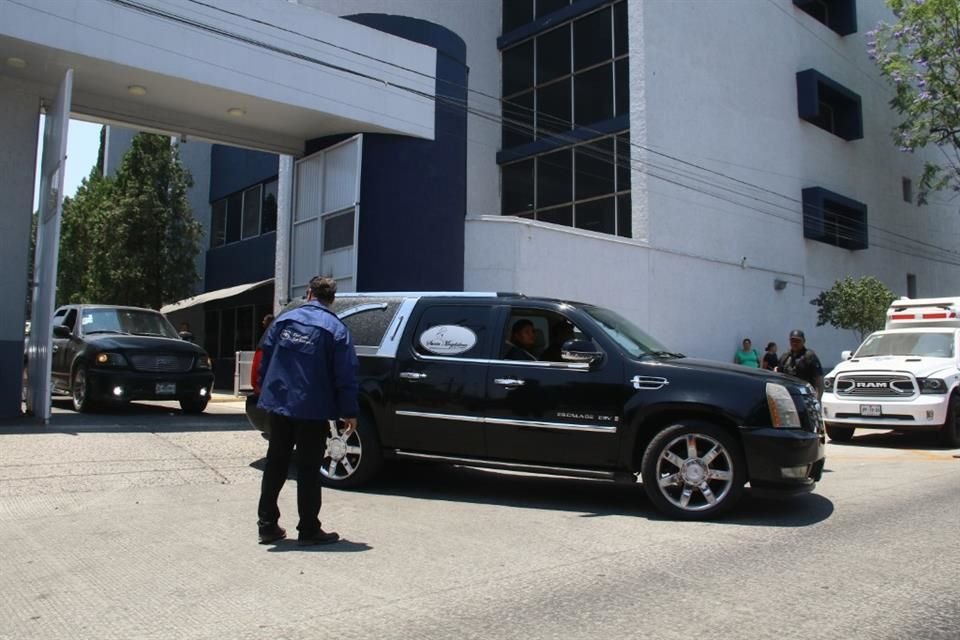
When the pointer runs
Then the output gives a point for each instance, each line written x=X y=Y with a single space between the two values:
x=310 y=438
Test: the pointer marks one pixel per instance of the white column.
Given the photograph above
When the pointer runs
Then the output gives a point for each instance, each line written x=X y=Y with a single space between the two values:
x=285 y=198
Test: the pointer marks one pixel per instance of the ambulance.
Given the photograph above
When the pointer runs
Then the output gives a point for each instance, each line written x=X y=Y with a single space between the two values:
x=903 y=378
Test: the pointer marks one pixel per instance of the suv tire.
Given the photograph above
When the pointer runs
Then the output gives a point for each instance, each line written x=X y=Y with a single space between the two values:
x=353 y=461
x=693 y=470
x=840 y=434
x=80 y=391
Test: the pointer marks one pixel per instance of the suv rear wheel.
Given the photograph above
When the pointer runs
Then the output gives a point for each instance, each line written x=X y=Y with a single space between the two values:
x=693 y=470
x=353 y=460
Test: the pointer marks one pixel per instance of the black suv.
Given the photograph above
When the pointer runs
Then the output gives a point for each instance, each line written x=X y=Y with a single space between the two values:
x=111 y=354
x=595 y=398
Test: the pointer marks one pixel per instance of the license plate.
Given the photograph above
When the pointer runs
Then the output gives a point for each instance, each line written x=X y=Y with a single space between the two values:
x=870 y=411
x=166 y=388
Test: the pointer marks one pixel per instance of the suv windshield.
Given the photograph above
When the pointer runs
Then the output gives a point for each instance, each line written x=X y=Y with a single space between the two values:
x=140 y=322
x=629 y=336
x=927 y=345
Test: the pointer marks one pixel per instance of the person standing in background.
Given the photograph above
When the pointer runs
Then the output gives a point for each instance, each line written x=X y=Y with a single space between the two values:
x=746 y=355
x=770 y=357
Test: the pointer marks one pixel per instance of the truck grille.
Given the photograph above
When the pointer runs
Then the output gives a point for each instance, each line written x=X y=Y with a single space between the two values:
x=162 y=363
x=875 y=386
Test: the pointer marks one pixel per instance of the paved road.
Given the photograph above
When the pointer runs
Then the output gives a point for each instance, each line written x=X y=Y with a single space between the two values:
x=142 y=525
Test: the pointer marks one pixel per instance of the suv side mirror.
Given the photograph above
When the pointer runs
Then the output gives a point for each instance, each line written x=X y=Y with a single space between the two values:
x=61 y=331
x=846 y=355
x=580 y=351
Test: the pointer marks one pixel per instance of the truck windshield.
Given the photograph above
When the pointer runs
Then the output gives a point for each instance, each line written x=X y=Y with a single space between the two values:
x=626 y=334
x=141 y=322
x=926 y=345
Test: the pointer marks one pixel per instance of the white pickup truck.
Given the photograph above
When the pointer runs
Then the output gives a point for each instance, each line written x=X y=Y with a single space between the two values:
x=904 y=378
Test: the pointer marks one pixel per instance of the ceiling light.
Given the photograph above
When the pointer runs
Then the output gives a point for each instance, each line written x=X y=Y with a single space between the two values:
x=136 y=90
x=236 y=112
x=16 y=63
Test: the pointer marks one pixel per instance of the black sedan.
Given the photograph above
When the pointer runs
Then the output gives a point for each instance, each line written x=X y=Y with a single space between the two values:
x=110 y=355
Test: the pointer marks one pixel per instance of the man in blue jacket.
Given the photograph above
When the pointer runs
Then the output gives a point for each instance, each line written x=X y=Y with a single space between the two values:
x=308 y=376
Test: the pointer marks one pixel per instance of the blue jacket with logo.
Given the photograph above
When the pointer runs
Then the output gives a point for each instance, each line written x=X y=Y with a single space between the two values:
x=308 y=368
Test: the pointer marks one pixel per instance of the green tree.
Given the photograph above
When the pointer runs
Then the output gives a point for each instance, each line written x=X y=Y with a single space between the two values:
x=860 y=305
x=920 y=56
x=82 y=220
x=144 y=243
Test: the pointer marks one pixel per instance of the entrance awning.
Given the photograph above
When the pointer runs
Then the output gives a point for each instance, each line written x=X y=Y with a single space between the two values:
x=210 y=296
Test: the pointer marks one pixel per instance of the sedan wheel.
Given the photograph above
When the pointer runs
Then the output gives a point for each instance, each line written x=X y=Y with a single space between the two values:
x=351 y=460
x=693 y=470
x=80 y=391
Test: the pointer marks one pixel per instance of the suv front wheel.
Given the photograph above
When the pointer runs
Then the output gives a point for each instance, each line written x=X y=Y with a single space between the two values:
x=693 y=470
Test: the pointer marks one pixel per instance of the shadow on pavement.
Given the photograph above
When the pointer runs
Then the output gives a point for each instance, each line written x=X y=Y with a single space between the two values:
x=592 y=498
x=342 y=546
x=134 y=417
x=894 y=440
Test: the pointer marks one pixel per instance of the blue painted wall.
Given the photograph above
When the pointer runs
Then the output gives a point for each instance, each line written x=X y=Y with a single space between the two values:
x=413 y=196
x=241 y=262
x=233 y=169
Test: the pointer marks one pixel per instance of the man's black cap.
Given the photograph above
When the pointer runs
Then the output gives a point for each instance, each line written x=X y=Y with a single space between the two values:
x=796 y=333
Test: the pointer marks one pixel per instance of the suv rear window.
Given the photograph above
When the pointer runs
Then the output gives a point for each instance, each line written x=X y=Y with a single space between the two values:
x=367 y=318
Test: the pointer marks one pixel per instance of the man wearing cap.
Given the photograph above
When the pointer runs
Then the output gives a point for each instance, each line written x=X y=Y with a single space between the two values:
x=802 y=363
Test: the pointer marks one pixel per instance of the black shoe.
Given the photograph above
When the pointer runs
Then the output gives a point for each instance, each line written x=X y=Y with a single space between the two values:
x=319 y=537
x=272 y=533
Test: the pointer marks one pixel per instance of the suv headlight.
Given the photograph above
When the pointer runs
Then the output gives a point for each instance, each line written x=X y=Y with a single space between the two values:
x=110 y=359
x=932 y=385
x=783 y=410
x=828 y=385
x=203 y=362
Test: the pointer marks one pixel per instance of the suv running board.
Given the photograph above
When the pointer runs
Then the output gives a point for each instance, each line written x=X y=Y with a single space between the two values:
x=519 y=467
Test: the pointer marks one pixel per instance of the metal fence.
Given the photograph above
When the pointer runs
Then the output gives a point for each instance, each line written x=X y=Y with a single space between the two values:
x=241 y=373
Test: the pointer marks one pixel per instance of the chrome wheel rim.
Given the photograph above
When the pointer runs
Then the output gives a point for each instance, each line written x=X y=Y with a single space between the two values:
x=694 y=472
x=79 y=388
x=343 y=454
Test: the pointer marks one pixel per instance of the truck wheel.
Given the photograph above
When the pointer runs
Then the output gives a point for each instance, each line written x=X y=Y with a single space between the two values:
x=950 y=431
x=80 y=391
x=352 y=461
x=693 y=470
x=840 y=434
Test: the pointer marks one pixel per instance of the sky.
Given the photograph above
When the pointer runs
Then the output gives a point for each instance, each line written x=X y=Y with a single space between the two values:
x=83 y=143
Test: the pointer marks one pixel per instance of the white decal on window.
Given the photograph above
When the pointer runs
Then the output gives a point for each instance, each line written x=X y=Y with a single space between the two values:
x=448 y=339
x=85 y=320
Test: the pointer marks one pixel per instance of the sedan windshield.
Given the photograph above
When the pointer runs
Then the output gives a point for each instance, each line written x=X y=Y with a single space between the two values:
x=140 y=322
x=927 y=345
x=631 y=338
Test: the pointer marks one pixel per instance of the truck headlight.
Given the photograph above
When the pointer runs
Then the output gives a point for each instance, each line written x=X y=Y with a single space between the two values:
x=110 y=359
x=204 y=362
x=932 y=385
x=783 y=410
x=828 y=385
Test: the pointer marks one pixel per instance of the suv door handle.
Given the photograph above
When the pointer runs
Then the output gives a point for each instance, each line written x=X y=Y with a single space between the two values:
x=412 y=375
x=509 y=382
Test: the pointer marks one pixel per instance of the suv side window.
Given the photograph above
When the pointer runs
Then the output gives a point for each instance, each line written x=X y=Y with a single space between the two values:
x=457 y=331
x=551 y=330
x=70 y=320
x=368 y=319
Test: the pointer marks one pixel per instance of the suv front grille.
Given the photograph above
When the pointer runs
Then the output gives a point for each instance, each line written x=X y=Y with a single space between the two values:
x=876 y=386
x=162 y=363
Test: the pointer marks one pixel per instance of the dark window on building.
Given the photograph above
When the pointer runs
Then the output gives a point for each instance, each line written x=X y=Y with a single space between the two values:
x=557 y=215
x=516 y=13
x=554 y=178
x=553 y=54
x=211 y=328
x=907 y=186
x=518 y=120
x=834 y=219
x=218 y=223
x=624 y=216
x=596 y=215
x=476 y=319
x=517 y=68
x=546 y=7
x=228 y=333
x=234 y=216
x=621 y=45
x=911 y=285
x=517 y=186
x=251 y=212
x=245 y=338
x=592 y=40
x=839 y=15
x=553 y=108
x=593 y=95
x=595 y=169
x=338 y=231
x=623 y=162
x=829 y=105
x=268 y=215
x=621 y=71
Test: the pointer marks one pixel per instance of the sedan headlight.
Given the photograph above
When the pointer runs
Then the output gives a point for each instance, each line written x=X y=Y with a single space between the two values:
x=932 y=385
x=110 y=359
x=204 y=362
x=783 y=410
